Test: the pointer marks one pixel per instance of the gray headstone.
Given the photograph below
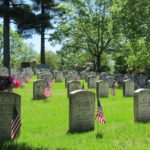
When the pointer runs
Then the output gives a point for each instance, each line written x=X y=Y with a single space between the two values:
x=39 y=75
x=73 y=85
x=59 y=76
x=46 y=77
x=148 y=84
x=110 y=81
x=75 y=75
x=7 y=102
x=102 y=88
x=38 y=89
x=91 y=81
x=68 y=78
x=82 y=75
x=142 y=105
x=103 y=75
x=81 y=111
x=128 y=88
x=65 y=72
x=142 y=81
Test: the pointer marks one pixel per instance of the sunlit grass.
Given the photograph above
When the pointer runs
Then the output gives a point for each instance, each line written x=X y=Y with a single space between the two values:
x=45 y=124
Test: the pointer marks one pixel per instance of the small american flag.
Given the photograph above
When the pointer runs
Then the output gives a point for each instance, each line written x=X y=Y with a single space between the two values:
x=47 y=92
x=15 y=125
x=100 y=115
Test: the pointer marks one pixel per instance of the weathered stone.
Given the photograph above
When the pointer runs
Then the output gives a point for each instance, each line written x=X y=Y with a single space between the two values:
x=102 y=88
x=91 y=81
x=73 y=85
x=142 y=105
x=81 y=111
x=128 y=88
x=38 y=89
x=7 y=102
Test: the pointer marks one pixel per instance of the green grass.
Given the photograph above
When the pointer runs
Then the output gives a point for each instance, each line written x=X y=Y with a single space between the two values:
x=45 y=124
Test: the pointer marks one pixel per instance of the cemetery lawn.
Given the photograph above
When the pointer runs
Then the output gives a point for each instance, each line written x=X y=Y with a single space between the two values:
x=45 y=124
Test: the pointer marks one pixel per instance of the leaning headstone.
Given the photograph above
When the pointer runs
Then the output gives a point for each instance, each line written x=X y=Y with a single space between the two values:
x=59 y=76
x=128 y=88
x=142 y=105
x=38 y=89
x=72 y=86
x=7 y=102
x=81 y=111
x=68 y=78
x=102 y=88
x=91 y=81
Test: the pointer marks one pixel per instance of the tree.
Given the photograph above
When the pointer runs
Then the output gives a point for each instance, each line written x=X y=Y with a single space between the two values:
x=19 y=51
x=134 y=23
x=52 y=60
x=9 y=10
x=90 y=26
x=46 y=17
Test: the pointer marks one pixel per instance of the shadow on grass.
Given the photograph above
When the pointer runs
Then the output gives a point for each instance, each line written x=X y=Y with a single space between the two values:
x=78 y=132
x=18 y=146
x=99 y=135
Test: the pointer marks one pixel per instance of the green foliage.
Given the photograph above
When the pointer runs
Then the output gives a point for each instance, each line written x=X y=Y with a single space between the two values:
x=87 y=27
x=52 y=60
x=18 y=49
x=134 y=24
x=120 y=63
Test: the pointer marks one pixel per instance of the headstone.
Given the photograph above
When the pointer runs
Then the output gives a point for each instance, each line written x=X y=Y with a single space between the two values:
x=128 y=88
x=39 y=75
x=65 y=72
x=73 y=85
x=110 y=81
x=142 y=81
x=86 y=76
x=59 y=76
x=68 y=78
x=81 y=111
x=142 y=105
x=82 y=75
x=7 y=102
x=75 y=75
x=118 y=78
x=102 y=88
x=148 y=84
x=38 y=89
x=103 y=75
x=54 y=73
x=46 y=77
x=91 y=81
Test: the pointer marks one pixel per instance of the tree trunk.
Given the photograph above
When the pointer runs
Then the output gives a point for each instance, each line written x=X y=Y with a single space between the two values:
x=6 y=30
x=98 y=63
x=42 y=37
